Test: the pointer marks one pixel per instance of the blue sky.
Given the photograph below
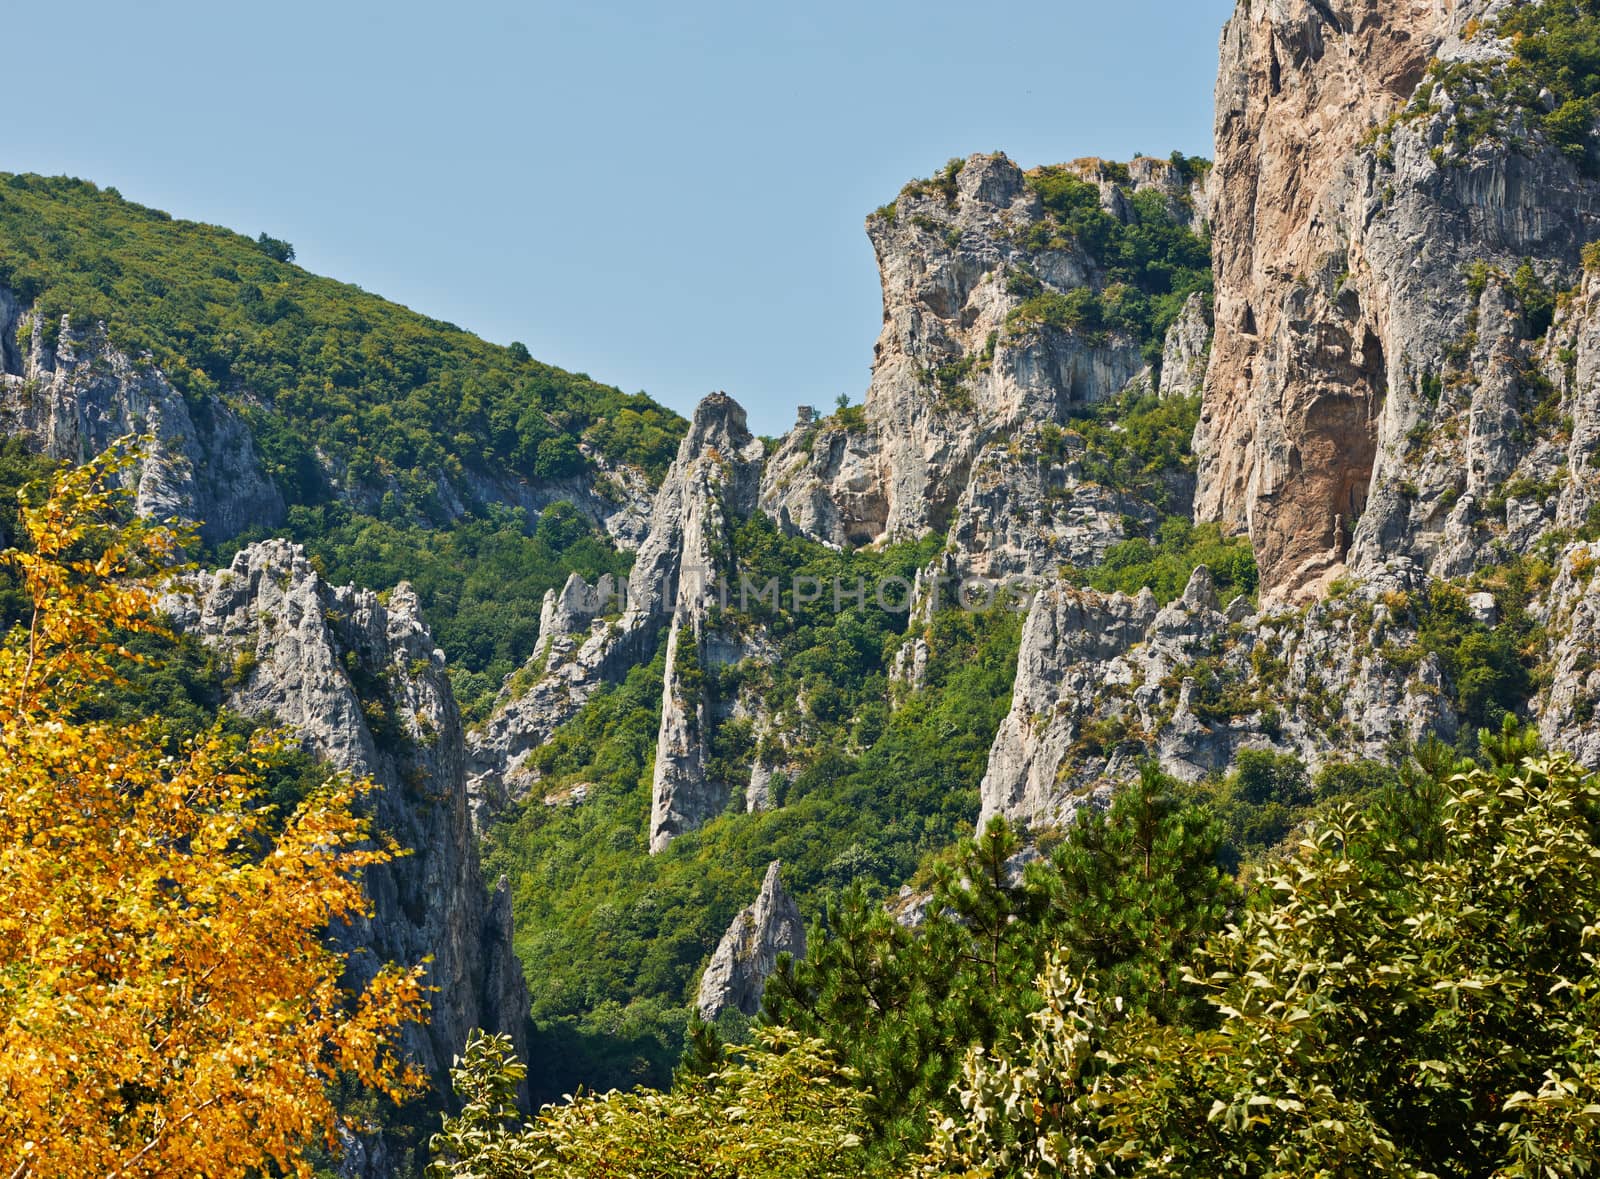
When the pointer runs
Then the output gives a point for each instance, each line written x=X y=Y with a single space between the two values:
x=668 y=197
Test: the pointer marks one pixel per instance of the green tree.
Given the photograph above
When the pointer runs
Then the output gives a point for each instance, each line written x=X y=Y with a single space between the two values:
x=1128 y=893
x=275 y=248
x=1134 y=891
x=779 y=1109
x=1397 y=1008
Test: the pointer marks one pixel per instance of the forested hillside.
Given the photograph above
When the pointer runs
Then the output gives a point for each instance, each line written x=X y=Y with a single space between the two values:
x=403 y=448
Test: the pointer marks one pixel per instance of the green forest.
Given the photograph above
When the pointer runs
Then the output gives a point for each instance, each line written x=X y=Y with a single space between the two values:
x=1407 y=986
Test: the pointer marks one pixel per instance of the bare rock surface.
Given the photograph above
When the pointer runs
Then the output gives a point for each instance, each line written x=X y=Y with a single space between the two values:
x=1362 y=393
x=959 y=383
x=1105 y=682
x=737 y=974
x=198 y=464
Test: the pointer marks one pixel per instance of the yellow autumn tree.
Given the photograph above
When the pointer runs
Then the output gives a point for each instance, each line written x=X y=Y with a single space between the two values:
x=168 y=1002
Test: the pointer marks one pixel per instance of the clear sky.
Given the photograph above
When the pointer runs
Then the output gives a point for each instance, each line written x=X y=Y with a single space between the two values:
x=668 y=197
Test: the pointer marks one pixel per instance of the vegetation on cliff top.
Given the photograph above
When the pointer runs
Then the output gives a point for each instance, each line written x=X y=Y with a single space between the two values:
x=1551 y=79
x=1150 y=263
x=359 y=408
x=323 y=369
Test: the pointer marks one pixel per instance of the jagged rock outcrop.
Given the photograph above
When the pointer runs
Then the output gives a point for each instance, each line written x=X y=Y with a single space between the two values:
x=569 y=614
x=737 y=974
x=1365 y=390
x=592 y=635
x=954 y=368
x=359 y=681
x=718 y=472
x=1187 y=350
x=73 y=400
x=1105 y=681
x=960 y=430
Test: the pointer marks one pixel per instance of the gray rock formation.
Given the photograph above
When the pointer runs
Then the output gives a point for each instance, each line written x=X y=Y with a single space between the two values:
x=74 y=400
x=1567 y=707
x=1027 y=509
x=737 y=974
x=1105 y=681
x=718 y=472
x=592 y=635
x=1187 y=350
x=953 y=369
x=360 y=682
x=961 y=430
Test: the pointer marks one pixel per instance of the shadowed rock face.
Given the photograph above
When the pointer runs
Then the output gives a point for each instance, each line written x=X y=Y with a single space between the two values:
x=73 y=401
x=1298 y=375
x=737 y=974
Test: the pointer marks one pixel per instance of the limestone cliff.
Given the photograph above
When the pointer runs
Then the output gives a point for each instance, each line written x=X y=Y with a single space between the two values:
x=359 y=681
x=592 y=635
x=737 y=974
x=967 y=428
x=1367 y=390
x=1402 y=389
x=74 y=399
x=718 y=470
x=962 y=373
x=1106 y=681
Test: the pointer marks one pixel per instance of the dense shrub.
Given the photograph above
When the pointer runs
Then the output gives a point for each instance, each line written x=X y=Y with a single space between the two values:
x=1126 y=895
x=1389 y=1008
x=1150 y=264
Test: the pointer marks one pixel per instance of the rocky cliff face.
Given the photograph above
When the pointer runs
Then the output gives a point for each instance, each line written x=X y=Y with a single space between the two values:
x=592 y=635
x=718 y=470
x=1106 y=681
x=961 y=431
x=359 y=681
x=1402 y=391
x=73 y=400
x=960 y=379
x=1367 y=391
x=1187 y=351
x=737 y=974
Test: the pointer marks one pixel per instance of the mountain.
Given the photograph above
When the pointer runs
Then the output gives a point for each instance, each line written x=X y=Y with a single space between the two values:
x=790 y=644
x=1258 y=477
x=677 y=723
x=283 y=404
x=1399 y=432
